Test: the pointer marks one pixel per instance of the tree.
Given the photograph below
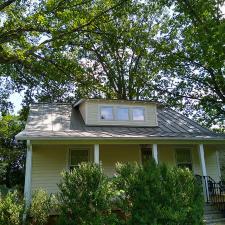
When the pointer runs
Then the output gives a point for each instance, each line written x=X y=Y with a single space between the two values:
x=34 y=40
x=162 y=50
x=12 y=154
x=118 y=56
x=192 y=52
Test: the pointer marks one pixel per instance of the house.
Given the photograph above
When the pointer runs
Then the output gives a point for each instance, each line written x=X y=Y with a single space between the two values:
x=59 y=136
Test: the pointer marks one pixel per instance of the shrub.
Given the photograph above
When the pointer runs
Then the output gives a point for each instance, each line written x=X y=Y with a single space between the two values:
x=84 y=197
x=40 y=207
x=159 y=195
x=11 y=209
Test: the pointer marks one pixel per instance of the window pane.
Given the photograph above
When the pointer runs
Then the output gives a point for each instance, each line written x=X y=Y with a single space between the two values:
x=78 y=156
x=122 y=114
x=146 y=153
x=106 y=113
x=185 y=166
x=183 y=155
x=138 y=114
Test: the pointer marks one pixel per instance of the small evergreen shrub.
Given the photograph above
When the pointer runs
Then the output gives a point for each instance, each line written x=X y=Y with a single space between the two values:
x=84 y=197
x=11 y=209
x=159 y=195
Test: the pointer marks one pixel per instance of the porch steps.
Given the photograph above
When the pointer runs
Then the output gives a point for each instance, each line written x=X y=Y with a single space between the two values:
x=212 y=216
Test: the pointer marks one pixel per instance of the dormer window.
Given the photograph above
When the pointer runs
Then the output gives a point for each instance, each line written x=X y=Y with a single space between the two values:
x=122 y=113
x=138 y=114
x=107 y=113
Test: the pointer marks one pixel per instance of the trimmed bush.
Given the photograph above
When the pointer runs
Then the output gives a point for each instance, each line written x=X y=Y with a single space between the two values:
x=159 y=195
x=11 y=209
x=84 y=197
x=40 y=208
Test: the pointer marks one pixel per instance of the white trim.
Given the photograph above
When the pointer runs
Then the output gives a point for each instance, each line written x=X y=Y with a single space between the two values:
x=155 y=153
x=28 y=175
x=96 y=154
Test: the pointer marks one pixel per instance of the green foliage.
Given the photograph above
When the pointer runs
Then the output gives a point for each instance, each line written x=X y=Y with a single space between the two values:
x=159 y=195
x=35 y=41
x=12 y=153
x=84 y=197
x=11 y=209
x=192 y=59
x=157 y=50
x=40 y=208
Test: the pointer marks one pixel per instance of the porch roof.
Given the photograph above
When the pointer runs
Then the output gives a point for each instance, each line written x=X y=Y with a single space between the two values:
x=64 y=122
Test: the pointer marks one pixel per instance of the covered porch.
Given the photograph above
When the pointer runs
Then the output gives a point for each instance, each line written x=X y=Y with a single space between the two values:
x=46 y=160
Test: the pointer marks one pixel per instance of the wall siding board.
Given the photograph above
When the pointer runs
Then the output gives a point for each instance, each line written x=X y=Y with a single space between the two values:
x=93 y=111
x=50 y=160
x=83 y=111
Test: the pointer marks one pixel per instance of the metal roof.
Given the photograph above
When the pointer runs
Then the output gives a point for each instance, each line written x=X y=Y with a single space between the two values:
x=63 y=121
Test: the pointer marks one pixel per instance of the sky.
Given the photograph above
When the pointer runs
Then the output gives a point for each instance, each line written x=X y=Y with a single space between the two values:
x=17 y=98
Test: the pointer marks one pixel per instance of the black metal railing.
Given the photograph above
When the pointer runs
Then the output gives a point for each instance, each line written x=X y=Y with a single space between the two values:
x=214 y=191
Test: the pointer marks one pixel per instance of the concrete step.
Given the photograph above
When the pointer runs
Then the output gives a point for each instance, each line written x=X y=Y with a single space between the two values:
x=214 y=211
x=212 y=216
x=216 y=215
x=215 y=222
x=209 y=207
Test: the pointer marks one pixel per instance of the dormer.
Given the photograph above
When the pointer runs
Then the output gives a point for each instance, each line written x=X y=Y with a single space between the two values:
x=102 y=112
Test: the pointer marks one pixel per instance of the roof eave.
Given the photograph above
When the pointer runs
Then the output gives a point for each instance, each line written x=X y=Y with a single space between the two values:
x=133 y=139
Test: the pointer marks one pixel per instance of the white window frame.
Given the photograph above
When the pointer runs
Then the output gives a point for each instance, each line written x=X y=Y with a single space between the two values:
x=122 y=107
x=114 y=113
x=191 y=157
x=132 y=118
x=78 y=149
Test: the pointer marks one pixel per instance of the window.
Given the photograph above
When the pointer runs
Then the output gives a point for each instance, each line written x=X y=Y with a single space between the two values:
x=146 y=153
x=122 y=113
x=183 y=158
x=106 y=113
x=78 y=156
x=138 y=114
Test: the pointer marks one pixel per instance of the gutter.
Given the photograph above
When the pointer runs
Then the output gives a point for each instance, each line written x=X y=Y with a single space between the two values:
x=124 y=139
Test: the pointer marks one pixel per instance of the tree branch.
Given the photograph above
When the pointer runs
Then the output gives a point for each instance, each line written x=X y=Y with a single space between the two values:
x=5 y=4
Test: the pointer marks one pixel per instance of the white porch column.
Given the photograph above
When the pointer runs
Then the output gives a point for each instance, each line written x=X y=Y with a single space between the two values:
x=218 y=163
x=155 y=153
x=96 y=153
x=204 y=172
x=28 y=173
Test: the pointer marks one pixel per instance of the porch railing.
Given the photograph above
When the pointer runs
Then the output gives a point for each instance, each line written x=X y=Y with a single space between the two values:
x=214 y=191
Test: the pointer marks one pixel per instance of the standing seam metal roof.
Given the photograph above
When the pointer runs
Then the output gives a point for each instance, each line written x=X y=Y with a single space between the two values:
x=64 y=121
